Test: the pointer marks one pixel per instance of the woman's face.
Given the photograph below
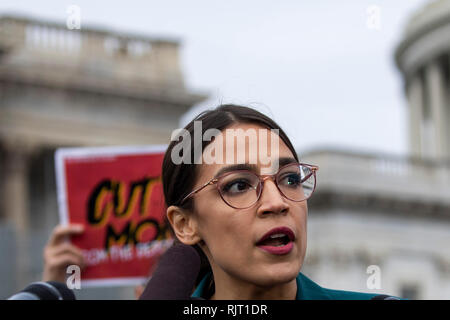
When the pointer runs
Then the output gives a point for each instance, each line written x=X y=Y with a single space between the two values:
x=232 y=236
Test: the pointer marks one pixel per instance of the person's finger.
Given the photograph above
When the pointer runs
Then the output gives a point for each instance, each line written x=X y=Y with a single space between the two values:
x=60 y=232
x=63 y=261
x=53 y=253
x=64 y=247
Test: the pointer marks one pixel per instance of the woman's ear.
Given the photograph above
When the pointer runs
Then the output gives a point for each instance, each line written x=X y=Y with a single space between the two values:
x=184 y=225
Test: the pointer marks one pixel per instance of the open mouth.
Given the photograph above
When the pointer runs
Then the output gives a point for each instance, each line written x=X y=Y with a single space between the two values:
x=277 y=241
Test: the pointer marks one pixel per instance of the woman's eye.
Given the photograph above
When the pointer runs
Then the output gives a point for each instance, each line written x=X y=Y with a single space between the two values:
x=292 y=180
x=238 y=186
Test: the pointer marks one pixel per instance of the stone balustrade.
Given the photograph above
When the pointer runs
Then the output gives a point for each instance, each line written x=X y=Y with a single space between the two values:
x=384 y=176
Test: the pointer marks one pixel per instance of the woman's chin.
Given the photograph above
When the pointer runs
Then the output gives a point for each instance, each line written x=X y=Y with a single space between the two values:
x=280 y=273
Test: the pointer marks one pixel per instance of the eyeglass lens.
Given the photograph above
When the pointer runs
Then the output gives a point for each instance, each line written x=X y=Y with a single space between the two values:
x=241 y=189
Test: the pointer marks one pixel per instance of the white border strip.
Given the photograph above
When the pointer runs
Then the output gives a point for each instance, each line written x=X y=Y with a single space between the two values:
x=109 y=151
x=113 y=282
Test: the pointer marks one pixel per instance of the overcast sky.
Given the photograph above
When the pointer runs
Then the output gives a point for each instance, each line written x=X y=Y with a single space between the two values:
x=323 y=69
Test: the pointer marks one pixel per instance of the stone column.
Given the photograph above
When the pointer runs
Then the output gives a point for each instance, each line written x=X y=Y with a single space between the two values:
x=435 y=84
x=447 y=111
x=15 y=202
x=415 y=98
x=15 y=207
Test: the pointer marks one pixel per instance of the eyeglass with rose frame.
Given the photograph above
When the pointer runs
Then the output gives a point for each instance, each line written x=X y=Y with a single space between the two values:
x=295 y=182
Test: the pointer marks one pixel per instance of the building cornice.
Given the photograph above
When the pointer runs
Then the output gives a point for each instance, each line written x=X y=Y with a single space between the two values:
x=323 y=201
x=422 y=26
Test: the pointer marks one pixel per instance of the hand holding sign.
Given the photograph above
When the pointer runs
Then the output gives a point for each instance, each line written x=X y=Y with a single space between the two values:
x=59 y=253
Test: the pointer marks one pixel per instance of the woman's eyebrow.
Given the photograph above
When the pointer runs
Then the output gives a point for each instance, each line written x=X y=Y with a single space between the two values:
x=241 y=166
x=251 y=167
x=286 y=160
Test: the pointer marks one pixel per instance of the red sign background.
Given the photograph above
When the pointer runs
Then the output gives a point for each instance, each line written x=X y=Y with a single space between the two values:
x=119 y=200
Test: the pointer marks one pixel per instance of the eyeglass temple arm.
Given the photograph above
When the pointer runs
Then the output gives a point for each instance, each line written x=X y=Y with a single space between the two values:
x=198 y=189
x=313 y=171
x=314 y=168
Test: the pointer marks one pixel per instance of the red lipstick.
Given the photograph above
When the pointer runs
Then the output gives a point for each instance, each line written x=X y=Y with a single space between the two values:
x=278 y=241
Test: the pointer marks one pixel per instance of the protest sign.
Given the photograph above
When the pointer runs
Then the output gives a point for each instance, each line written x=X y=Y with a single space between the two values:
x=116 y=193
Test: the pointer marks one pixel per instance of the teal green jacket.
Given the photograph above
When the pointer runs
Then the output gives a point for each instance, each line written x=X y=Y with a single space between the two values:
x=306 y=290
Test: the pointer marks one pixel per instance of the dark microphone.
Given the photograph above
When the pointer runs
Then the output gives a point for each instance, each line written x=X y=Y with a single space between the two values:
x=50 y=290
x=174 y=277
x=384 y=297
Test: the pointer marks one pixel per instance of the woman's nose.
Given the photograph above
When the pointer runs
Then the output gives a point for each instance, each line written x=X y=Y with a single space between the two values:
x=271 y=200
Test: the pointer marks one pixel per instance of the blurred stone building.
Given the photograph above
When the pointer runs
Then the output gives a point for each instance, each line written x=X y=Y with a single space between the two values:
x=61 y=87
x=392 y=212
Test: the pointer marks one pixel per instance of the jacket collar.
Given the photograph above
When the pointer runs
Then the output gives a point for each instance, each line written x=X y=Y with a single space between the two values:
x=306 y=289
